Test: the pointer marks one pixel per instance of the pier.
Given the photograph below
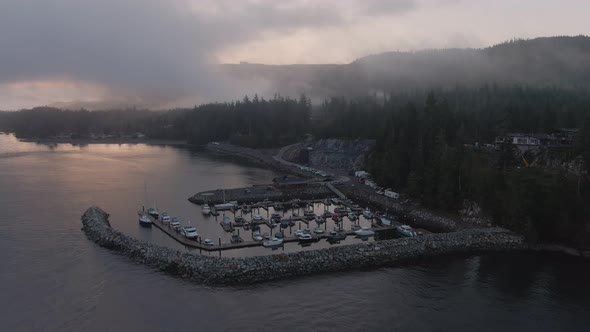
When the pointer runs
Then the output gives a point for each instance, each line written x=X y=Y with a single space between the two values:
x=219 y=246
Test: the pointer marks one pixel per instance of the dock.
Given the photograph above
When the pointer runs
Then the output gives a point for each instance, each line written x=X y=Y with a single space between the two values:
x=219 y=246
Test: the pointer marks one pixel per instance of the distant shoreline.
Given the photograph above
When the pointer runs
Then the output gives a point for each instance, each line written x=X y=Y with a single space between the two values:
x=84 y=141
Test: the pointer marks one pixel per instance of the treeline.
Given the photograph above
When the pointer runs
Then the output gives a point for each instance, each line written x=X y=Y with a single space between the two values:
x=254 y=122
x=425 y=148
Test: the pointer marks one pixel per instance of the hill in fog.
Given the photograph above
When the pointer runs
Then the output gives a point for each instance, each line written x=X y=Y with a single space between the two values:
x=551 y=61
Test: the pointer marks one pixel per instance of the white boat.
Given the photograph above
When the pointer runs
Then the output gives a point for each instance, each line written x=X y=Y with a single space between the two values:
x=257 y=218
x=226 y=219
x=352 y=216
x=257 y=237
x=144 y=220
x=205 y=209
x=153 y=212
x=385 y=221
x=189 y=232
x=175 y=225
x=274 y=242
x=368 y=214
x=318 y=230
x=364 y=231
x=301 y=232
x=406 y=231
x=226 y=206
x=165 y=218
x=208 y=242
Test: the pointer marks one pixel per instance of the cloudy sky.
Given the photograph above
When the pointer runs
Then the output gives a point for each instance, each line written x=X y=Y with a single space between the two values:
x=159 y=53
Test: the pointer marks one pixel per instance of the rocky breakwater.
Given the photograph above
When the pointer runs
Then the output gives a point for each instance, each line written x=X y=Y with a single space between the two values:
x=234 y=271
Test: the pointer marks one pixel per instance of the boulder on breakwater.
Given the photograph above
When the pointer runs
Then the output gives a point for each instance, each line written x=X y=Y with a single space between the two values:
x=234 y=271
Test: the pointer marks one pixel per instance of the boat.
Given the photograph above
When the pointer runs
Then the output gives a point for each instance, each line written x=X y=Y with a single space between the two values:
x=257 y=218
x=256 y=236
x=275 y=217
x=246 y=209
x=335 y=201
x=208 y=242
x=280 y=235
x=226 y=206
x=226 y=220
x=205 y=209
x=355 y=228
x=285 y=223
x=320 y=220
x=153 y=212
x=274 y=242
x=239 y=220
x=165 y=218
x=174 y=224
x=266 y=236
x=336 y=236
x=300 y=232
x=336 y=217
x=235 y=238
x=364 y=231
x=272 y=224
x=246 y=226
x=318 y=230
x=368 y=214
x=189 y=232
x=308 y=238
x=406 y=231
x=327 y=214
x=144 y=220
x=352 y=216
x=385 y=221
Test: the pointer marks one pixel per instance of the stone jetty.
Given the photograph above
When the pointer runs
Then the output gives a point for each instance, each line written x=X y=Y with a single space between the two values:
x=237 y=271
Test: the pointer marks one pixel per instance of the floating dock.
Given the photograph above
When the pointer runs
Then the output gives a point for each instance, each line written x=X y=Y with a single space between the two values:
x=198 y=243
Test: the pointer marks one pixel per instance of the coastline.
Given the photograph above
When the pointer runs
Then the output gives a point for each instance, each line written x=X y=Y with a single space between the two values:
x=224 y=271
x=86 y=141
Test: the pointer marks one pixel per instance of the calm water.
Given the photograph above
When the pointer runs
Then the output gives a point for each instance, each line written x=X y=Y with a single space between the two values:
x=53 y=279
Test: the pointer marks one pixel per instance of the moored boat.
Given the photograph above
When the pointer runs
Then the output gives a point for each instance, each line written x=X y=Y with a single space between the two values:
x=205 y=209
x=144 y=220
x=165 y=218
x=406 y=231
x=318 y=230
x=336 y=236
x=153 y=212
x=364 y=231
x=274 y=242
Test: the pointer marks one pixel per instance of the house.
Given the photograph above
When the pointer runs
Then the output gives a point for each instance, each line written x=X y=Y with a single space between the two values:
x=524 y=142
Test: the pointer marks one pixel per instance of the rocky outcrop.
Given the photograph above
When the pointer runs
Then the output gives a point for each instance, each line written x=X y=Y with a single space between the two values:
x=233 y=271
x=331 y=153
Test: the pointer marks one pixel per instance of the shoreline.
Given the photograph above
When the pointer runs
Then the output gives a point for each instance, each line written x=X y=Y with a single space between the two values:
x=225 y=271
x=86 y=141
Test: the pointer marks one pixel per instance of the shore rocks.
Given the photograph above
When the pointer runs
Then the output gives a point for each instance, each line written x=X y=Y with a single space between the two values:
x=235 y=271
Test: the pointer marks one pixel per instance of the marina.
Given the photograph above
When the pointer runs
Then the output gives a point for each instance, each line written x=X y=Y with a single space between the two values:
x=288 y=227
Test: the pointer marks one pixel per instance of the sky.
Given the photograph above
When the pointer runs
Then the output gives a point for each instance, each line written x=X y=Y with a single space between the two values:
x=162 y=53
